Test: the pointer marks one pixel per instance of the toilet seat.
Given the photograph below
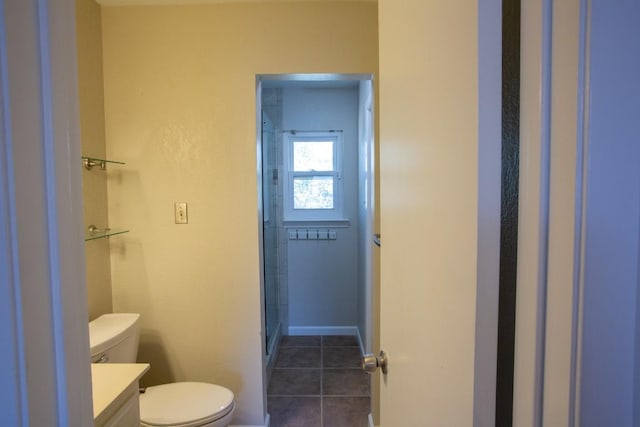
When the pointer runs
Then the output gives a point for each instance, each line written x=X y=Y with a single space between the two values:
x=184 y=404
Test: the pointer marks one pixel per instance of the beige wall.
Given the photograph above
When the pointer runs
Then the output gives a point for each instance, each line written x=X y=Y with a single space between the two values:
x=94 y=182
x=180 y=110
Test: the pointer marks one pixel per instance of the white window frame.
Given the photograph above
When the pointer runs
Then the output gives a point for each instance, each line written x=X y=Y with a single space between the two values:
x=291 y=214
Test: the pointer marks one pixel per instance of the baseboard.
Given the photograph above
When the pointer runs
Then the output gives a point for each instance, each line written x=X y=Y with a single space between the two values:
x=323 y=330
x=267 y=421
x=370 y=418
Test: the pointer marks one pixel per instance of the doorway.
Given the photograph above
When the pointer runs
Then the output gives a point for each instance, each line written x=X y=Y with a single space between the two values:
x=316 y=181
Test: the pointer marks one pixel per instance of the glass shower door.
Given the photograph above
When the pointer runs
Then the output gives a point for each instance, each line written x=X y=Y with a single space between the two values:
x=270 y=230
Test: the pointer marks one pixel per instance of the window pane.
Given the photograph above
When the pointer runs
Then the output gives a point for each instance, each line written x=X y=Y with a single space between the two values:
x=312 y=156
x=314 y=192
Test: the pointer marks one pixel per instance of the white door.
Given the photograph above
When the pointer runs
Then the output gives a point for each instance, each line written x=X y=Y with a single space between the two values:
x=45 y=377
x=432 y=193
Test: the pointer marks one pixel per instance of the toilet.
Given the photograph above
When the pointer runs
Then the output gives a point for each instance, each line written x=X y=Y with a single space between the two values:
x=113 y=338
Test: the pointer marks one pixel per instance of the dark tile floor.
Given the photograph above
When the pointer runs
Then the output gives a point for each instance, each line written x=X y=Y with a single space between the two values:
x=318 y=382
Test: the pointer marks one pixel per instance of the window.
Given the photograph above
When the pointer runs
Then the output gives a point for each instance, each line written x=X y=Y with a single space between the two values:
x=313 y=184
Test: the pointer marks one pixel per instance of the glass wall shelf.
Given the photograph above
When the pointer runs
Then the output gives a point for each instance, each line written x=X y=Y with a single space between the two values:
x=90 y=162
x=101 y=234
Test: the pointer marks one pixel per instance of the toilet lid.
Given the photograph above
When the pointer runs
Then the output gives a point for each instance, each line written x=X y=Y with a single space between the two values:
x=184 y=403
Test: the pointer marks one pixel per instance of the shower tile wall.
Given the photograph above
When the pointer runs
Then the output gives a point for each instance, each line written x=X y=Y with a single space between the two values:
x=272 y=106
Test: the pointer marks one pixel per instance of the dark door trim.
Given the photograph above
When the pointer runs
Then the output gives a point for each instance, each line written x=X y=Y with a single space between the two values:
x=509 y=210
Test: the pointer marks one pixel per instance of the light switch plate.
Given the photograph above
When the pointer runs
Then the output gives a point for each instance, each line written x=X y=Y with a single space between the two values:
x=180 y=213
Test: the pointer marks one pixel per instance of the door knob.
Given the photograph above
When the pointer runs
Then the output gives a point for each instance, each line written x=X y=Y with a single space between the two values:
x=371 y=362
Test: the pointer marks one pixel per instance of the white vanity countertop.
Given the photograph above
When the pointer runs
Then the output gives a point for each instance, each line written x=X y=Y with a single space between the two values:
x=110 y=380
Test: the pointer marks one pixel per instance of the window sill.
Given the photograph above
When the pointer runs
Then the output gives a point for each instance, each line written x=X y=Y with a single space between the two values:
x=316 y=223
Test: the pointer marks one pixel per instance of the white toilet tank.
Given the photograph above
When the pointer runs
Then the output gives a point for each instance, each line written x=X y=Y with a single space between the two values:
x=114 y=338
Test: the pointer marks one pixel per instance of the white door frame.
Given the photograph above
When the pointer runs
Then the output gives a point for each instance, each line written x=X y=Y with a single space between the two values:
x=533 y=211
x=553 y=179
x=370 y=202
x=46 y=378
x=371 y=334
